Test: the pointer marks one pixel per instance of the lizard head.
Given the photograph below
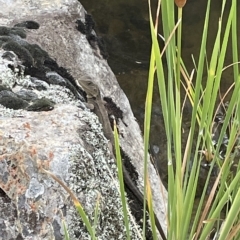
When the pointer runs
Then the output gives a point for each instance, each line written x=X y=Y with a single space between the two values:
x=89 y=87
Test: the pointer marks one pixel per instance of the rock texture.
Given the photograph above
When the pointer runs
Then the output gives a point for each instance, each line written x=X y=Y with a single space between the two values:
x=62 y=136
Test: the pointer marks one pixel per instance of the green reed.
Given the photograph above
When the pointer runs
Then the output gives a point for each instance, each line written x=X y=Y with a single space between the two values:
x=184 y=167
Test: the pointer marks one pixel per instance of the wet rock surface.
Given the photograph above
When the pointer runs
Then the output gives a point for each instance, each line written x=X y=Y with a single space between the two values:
x=45 y=124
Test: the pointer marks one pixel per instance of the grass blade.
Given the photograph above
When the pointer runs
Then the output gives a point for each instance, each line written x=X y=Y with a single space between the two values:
x=121 y=181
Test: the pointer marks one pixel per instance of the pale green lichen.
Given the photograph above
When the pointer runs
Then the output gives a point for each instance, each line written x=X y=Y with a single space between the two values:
x=60 y=95
x=9 y=78
x=92 y=173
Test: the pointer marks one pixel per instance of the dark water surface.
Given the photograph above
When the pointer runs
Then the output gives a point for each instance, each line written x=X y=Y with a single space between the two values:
x=124 y=26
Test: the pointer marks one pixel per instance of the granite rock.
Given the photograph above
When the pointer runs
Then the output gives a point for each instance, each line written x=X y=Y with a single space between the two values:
x=44 y=60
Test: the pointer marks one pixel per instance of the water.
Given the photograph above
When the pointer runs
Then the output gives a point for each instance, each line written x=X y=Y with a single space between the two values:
x=125 y=27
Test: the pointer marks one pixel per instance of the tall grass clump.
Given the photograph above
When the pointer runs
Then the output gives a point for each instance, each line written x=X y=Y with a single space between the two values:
x=185 y=161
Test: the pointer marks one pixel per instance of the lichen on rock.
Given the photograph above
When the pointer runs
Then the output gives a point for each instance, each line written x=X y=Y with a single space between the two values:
x=98 y=171
x=52 y=130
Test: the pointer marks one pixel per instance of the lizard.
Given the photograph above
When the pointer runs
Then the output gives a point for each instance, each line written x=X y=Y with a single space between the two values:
x=94 y=98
